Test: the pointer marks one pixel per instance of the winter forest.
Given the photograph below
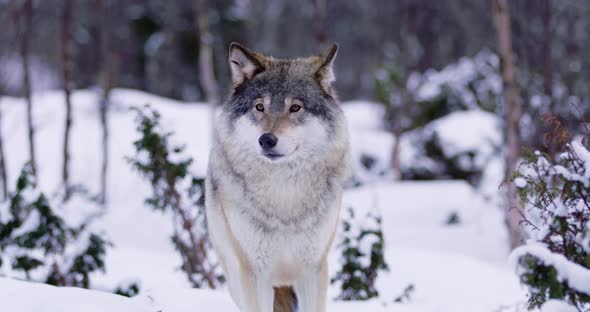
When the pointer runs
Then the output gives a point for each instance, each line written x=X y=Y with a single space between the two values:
x=469 y=126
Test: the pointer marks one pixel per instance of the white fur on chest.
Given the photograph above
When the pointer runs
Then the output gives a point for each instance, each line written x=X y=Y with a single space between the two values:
x=274 y=247
x=281 y=254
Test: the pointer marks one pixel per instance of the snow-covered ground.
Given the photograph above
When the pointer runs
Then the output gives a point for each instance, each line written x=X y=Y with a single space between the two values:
x=453 y=267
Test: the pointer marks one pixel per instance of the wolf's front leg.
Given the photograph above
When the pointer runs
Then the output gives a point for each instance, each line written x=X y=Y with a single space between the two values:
x=265 y=295
x=311 y=289
x=257 y=293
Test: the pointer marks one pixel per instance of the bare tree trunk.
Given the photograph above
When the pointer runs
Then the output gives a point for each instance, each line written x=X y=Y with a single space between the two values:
x=320 y=21
x=3 y=173
x=103 y=108
x=514 y=108
x=548 y=67
x=27 y=14
x=547 y=63
x=395 y=156
x=67 y=51
x=206 y=71
x=107 y=78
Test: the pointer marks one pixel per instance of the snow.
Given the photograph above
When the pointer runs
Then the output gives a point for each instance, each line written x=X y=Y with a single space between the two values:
x=584 y=156
x=363 y=115
x=520 y=182
x=30 y=224
x=368 y=139
x=464 y=131
x=434 y=276
x=415 y=215
x=454 y=267
x=554 y=305
x=32 y=297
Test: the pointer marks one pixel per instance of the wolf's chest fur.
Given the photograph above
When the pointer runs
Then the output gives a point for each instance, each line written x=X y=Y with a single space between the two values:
x=287 y=199
x=282 y=216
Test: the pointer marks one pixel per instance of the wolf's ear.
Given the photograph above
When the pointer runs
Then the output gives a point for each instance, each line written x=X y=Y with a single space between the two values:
x=244 y=63
x=324 y=72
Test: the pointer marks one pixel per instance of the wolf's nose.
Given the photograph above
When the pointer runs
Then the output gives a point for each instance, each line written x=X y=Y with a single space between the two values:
x=267 y=141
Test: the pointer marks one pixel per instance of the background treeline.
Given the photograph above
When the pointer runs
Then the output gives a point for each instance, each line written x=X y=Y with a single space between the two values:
x=156 y=43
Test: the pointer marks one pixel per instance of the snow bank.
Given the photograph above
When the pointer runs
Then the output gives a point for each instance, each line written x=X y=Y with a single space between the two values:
x=444 y=261
x=450 y=279
x=557 y=306
x=17 y=296
x=415 y=215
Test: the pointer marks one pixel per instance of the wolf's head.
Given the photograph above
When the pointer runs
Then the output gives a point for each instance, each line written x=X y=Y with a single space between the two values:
x=283 y=109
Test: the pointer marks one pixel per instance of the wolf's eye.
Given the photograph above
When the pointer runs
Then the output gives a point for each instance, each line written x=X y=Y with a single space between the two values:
x=294 y=108
x=260 y=107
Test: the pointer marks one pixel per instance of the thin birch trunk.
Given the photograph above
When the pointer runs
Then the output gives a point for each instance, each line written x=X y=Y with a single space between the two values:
x=27 y=16
x=67 y=51
x=320 y=21
x=3 y=173
x=206 y=70
x=547 y=62
x=107 y=81
x=512 y=99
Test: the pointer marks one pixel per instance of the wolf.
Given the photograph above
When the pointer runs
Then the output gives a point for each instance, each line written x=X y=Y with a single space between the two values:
x=278 y=162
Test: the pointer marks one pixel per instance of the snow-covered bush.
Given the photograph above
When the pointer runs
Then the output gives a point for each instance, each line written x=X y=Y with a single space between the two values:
x=555 y=263
x=469 y=84
x=361 y=246
x=446 y=117
x=457 y=146
x=37 y=244
x=176 y=190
